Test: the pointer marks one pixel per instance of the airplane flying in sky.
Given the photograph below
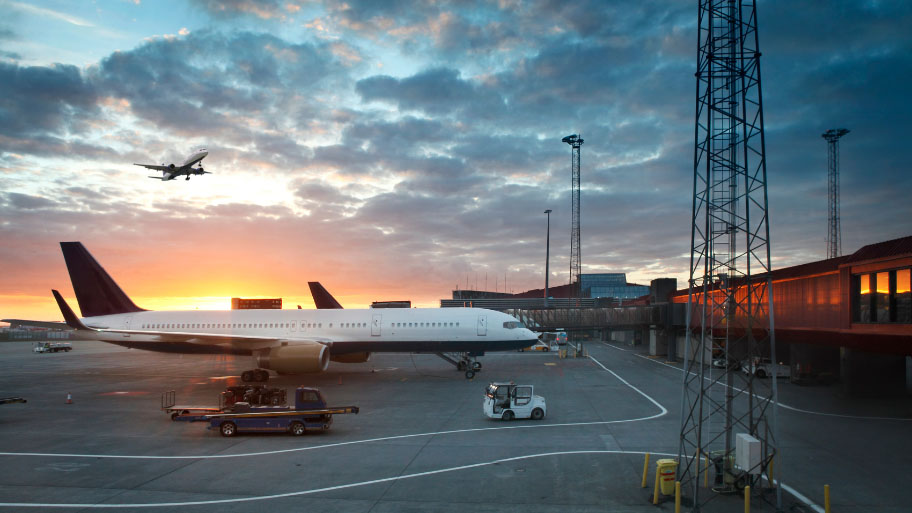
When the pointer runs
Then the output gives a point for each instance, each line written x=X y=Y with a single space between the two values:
x=171 y=171
x=284 y=341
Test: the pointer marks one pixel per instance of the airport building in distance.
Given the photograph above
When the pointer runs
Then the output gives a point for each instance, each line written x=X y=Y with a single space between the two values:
x=239 y=303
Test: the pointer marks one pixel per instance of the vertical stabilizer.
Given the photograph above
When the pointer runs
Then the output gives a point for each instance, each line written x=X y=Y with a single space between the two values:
x=322 y=298
x=96 y=291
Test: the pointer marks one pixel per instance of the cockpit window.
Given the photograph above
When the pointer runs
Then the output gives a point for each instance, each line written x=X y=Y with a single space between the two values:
x=511 y=325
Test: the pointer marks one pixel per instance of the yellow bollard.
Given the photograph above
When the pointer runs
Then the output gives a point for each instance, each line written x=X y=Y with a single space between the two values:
x=655 y=492
x=677 y=497
x=706 y=472
x=645 y=470
x=826 y=498
x=747 y=499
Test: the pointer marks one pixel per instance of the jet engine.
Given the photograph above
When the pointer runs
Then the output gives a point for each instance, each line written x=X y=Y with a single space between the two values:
x=171 y=166
x=351 y=357
x=301 y=359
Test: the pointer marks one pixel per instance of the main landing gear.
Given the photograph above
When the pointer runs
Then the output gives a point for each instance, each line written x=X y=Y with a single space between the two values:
x=464 y=362
x=255 y=375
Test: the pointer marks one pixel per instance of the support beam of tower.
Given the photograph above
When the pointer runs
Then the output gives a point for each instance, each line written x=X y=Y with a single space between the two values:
x=834 y=231
x=575 y=141
x=729 y=308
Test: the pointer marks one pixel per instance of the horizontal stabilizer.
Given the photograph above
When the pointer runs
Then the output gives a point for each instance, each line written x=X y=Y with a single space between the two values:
x=51 y=325
x=68 y=315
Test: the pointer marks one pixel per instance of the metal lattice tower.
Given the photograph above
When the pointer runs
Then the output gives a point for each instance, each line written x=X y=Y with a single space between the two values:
x=730 y=313
x=834 y=233
x=575 y=142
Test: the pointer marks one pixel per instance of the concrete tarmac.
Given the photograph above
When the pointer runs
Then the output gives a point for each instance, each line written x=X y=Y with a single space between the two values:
x=420 y=443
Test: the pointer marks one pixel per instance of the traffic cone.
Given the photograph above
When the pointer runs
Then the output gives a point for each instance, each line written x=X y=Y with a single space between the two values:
x=69 y=399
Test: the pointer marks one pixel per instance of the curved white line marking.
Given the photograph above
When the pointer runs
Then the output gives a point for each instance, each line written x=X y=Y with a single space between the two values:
x=789 y=489
x=318 y=490
x=781 y=404
x=337 y=444
x=622 y=380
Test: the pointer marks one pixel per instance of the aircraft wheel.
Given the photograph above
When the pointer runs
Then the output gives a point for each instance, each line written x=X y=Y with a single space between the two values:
x=297 y=428
x=261 y=375
x=761 y=373
x=538 y=414
x=247 y=376
x=228 y=429
x=469 y=374
x=476 y=365
x=508 y=415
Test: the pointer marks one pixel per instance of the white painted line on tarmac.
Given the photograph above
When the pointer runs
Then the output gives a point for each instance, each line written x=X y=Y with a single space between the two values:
x=787 y=488
x=781 y=404
x=622 y=380
x=314 y=447
x=319 y=490
x=800 y=496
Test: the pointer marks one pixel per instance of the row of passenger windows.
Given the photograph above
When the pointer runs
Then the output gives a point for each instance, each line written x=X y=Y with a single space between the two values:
x=224 y=325
x=882 y=297
x=283 y=325
x=424 y=325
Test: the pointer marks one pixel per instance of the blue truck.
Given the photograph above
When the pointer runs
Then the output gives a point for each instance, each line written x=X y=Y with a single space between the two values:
x=309 y=413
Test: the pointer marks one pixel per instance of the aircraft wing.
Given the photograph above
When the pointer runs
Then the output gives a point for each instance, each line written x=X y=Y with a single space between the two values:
x=239 y=341
x=155 y=167
x=53 y=325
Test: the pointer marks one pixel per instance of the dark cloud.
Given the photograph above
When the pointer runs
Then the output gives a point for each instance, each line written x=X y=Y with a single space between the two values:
x=27 y=202
x=201 y=81
x=435 y=91
x=36 y=100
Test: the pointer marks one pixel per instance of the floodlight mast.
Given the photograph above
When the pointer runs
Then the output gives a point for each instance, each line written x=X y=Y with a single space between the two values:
x=834 y=231
x=575 y=141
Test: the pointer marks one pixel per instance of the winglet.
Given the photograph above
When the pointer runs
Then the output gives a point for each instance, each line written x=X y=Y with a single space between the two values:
x=68 y=315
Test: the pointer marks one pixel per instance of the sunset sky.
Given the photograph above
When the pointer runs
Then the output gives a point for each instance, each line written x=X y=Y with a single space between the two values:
x=399 y=149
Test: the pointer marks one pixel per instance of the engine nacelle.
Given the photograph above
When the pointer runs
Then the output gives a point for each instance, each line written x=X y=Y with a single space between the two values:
x=171 y=166
x=351 y=357
x=302 y=359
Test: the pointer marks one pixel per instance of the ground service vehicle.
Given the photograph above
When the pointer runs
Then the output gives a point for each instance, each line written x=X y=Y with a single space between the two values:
x=10 y=400
x=309 y=412
x=254 y=395
x=510 y=401
x=52 y=347
x=763 y=367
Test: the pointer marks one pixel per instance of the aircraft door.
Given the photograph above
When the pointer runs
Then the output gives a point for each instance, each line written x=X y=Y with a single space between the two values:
x=127 y=325
x=375 y=325
x=482 y=325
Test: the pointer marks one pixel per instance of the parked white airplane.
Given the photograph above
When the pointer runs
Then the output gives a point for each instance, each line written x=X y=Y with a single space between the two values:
x=171 y=171
x=285 y=341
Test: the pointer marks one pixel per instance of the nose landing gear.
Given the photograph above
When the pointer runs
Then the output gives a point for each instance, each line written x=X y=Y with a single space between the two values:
x=464 y=362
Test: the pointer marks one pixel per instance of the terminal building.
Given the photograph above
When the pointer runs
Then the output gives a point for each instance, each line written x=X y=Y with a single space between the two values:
x=597 y=290
x=239 y=303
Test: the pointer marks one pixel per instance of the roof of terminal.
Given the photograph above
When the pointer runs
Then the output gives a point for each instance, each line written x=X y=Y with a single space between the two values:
x=886 y=249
